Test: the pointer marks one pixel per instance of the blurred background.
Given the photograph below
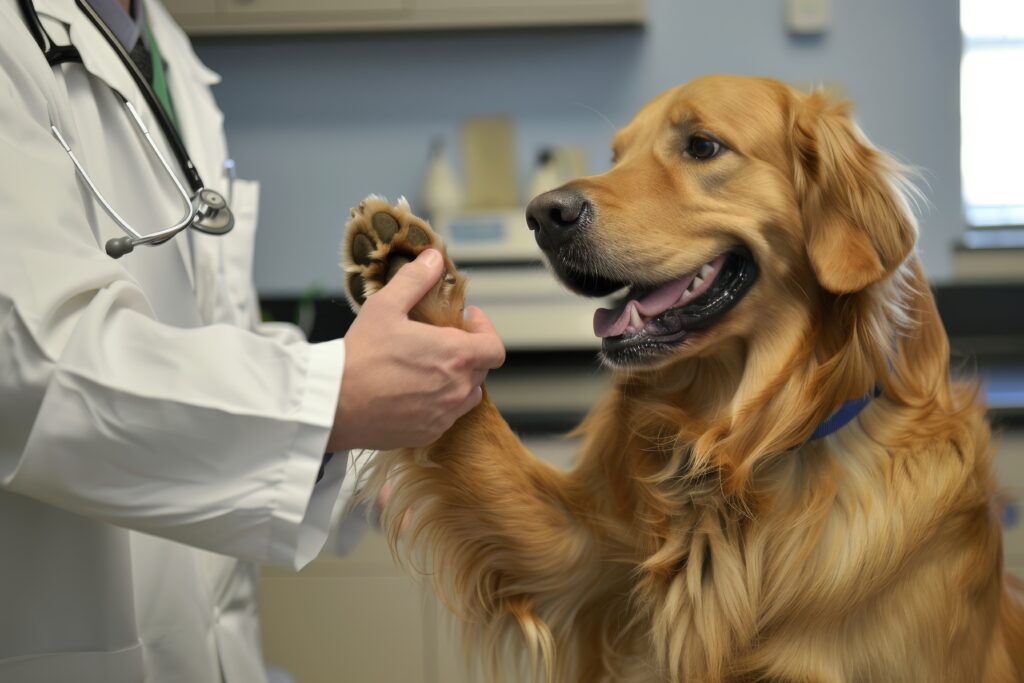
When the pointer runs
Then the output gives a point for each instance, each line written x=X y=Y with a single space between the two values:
x=469 y=107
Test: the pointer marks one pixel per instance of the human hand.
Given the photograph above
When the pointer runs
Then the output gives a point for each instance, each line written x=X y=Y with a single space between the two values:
x=405 y=382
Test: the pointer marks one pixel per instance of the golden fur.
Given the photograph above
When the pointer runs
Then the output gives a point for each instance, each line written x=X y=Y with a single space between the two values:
x=700 y=536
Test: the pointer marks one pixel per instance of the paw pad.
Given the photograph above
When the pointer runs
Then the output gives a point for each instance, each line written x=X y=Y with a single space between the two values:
x=380 y=239
x=385 y=225
x=362 y=249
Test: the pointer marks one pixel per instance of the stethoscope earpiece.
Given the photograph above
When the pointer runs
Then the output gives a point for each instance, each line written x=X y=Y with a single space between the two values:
x=119 y=246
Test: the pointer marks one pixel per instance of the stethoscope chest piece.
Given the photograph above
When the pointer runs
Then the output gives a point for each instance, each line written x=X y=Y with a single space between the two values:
x=212 y=213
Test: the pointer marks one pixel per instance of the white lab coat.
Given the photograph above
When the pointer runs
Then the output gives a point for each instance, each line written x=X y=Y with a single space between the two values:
x=149 y=427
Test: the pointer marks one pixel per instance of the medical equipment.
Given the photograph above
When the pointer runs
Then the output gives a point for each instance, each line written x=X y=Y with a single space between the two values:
x=206 y=209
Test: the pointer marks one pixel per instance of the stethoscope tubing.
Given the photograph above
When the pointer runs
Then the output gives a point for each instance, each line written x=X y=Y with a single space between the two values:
x=137 y=238
x=206 y=210
x=60 y=54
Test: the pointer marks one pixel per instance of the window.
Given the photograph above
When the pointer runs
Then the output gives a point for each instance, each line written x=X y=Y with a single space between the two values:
x=992 y=112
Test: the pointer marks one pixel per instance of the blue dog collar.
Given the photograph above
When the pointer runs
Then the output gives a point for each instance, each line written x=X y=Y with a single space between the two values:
x=844 y=415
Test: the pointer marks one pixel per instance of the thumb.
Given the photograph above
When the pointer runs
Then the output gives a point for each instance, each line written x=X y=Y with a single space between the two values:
x=488 y=348
x=412 y=281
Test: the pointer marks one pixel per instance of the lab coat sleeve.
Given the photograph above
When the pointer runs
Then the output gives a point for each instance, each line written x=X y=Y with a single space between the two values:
x=210 y=436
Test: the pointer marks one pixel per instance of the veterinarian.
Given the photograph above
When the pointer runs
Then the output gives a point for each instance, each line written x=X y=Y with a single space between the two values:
x=154 y=438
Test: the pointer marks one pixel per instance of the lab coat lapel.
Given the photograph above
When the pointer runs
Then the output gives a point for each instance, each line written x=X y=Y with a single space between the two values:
x=200 y=120
x=201 y=125
x=100 y=60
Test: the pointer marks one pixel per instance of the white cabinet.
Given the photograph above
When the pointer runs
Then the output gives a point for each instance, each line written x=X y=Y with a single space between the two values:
x=211 y=17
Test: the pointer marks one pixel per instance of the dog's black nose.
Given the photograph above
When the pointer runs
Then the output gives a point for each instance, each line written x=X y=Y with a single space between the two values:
x=557 y=215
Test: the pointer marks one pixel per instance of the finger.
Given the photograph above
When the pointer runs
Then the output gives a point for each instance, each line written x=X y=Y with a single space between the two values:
x=470 y=402
x=477 y=321
x=488 y=348
x=412 y=281
x=477 y=377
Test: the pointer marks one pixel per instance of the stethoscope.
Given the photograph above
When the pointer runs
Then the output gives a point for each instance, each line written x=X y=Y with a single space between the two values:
x=206 y=209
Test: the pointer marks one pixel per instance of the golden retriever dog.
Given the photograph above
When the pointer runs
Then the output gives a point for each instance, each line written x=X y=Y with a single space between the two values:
x=784 y=483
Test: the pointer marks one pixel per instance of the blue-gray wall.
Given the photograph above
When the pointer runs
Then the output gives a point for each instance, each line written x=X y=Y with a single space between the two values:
x=324 y=120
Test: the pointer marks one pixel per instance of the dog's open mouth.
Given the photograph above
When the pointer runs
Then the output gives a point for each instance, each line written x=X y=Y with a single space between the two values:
x=651 y=321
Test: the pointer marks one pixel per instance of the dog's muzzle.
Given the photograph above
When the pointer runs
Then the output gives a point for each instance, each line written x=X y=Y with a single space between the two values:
x=556 y=217
x=560 y=220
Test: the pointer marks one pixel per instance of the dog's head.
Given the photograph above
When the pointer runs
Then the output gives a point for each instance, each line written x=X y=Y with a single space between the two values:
x=735 y=206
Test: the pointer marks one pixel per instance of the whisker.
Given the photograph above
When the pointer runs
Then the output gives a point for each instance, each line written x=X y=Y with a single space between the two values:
x=600 y=114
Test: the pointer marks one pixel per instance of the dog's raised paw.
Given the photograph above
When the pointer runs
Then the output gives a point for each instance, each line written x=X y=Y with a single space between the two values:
x=379 y=240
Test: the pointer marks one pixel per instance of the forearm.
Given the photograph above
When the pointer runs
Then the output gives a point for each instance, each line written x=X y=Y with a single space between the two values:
x=209 y=436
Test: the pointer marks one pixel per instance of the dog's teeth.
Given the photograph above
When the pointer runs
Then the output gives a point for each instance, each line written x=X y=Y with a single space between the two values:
x=634 y=319
x=697 y=282
x=705 y=270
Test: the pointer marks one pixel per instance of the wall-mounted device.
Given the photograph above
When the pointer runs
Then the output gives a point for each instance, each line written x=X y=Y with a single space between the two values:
x=808 y=17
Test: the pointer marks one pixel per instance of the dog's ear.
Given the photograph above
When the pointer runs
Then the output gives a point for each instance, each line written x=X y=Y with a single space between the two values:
x=857 y=224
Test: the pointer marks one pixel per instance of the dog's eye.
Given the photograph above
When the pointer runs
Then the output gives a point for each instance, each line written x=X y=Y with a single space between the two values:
x=701 y=147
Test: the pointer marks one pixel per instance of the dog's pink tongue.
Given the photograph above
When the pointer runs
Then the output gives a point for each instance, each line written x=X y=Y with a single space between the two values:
x=612 y=322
